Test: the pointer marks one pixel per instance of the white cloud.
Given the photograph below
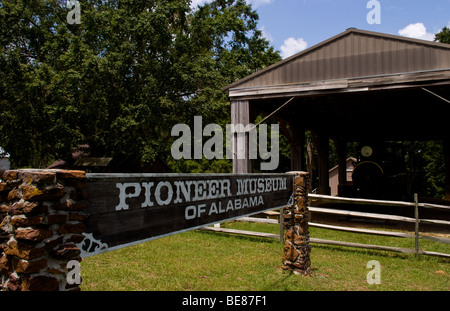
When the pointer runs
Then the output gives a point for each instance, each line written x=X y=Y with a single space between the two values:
x=418 y=31
x=257 y=3
x=266 y=34
x=196 y=3
x=292 y=46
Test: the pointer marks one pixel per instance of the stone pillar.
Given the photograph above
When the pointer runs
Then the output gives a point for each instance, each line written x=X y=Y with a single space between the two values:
x=41 y=215
x=296 y=217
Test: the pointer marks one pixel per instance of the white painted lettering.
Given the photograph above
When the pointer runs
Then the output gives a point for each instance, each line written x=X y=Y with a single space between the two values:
x=185 y=188
x=190 y=212
x=169 y=193
x=200 y=190
x=268 y=185
x=242 y=186
x=237 y=204
x=260 y=185
x=213 y=186
x=225 y=185
x=252 y=186
x=123 y=195
x=201 y=210
x=213 y=209
x=244 y=203
x=147 y=202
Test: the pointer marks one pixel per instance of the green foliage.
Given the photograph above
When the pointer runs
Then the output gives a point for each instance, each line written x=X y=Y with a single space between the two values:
x=122 y=78
x=426 y=168
x=443 y=36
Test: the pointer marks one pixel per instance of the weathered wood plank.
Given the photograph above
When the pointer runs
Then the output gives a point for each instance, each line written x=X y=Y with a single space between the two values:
x=259 y=220
x=435 y=239
x=331 y=199
x=365 y=231
x=435 y=254
x=126 y=209
x=367 y=246
x=361 y=214
x=243 y=232
x=434 y=222
x=435 y=206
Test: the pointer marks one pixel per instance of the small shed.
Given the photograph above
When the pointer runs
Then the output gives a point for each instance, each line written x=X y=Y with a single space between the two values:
x=357 y=85
x=333 y=174
x=5 y=164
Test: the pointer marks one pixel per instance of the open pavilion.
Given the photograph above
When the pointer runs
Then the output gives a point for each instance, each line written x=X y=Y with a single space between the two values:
x=356 y=86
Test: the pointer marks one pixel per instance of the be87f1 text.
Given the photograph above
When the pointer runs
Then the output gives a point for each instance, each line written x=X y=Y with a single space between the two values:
x=246 y=300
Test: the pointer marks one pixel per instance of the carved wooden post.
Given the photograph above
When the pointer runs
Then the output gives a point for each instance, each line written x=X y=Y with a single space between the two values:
x=296 y=217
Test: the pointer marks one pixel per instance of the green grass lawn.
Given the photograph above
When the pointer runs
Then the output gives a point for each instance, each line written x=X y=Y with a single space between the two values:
x=207 y=261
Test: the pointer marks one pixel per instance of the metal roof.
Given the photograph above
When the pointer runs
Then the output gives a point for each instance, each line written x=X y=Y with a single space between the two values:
x=353 y=54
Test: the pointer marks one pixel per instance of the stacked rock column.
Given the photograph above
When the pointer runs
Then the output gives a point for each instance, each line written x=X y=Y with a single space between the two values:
x=41 y=215
x=296 y=218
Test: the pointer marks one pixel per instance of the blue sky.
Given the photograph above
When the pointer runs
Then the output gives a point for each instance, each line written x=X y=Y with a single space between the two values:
x=293 y=25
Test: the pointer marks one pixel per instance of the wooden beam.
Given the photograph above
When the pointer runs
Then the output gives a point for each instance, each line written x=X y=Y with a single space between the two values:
x=358 y=201
x=342 y=86
x=243 y=232
x=359 y=245
x=259 y=220
x=361 y=214
x=364 y=231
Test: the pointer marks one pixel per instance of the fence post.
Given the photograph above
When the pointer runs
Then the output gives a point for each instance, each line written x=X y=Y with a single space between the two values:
x=282 y=225
x=296 y=216
x=416 y=226
x=41 y=221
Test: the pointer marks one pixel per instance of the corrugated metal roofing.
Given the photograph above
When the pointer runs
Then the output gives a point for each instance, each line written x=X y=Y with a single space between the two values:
x=353 y=53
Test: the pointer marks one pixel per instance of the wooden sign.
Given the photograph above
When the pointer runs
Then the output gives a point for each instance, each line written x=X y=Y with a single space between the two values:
x=126 y=209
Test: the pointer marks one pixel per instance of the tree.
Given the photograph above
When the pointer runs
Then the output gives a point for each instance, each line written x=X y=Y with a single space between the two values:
x=122 y=78
x=233 y=48
x=443 y=36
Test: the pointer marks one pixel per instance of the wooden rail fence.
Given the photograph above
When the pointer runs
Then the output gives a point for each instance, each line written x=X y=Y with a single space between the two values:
x=329 y=199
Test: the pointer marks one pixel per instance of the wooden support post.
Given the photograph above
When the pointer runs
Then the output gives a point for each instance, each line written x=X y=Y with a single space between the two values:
x=296 y=217
x=447 y=167
x=341 y=150
x=416 y=227
x=240 y=114
x=297 y=147
x=281 y=225
x=322 y=149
